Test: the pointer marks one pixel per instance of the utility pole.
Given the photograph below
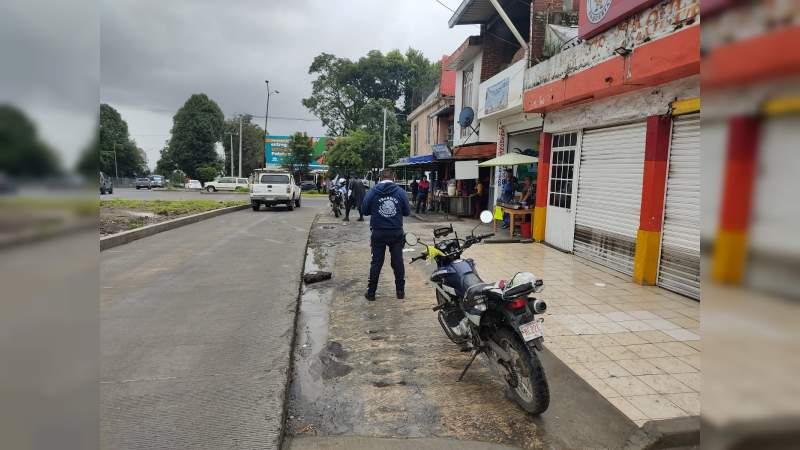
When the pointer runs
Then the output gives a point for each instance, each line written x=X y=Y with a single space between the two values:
x=231 y=133
x=240 y=146
x=383 y=164
x=116 y=171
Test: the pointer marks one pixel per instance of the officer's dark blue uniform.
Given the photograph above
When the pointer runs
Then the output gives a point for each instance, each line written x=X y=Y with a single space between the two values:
x=386 y=204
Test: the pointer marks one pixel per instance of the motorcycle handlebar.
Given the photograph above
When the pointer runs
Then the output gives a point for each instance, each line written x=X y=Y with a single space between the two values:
x=417 y=258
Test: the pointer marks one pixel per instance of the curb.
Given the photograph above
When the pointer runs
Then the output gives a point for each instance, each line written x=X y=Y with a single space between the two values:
x=664 y=434
x=132 y=235
x=282 y=443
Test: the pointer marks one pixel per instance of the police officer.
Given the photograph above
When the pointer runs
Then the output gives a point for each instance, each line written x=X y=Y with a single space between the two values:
x=386 y=204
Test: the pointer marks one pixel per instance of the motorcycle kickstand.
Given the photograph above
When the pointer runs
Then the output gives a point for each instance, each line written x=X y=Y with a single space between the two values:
x=471 y=360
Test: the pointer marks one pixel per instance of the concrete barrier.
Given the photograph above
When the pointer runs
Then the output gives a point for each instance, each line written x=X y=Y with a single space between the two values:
x=149 y=230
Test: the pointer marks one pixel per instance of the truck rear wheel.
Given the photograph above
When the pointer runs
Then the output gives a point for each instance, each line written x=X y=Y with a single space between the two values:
x=290 y=205
x=256 y=206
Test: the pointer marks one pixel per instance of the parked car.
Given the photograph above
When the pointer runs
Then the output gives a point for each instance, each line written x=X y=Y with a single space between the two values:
x=227 y=184
x=8 y=186
x=106 y=185
x=156 y=181
x=276 y=187
x=307 y=185
x=143 y=183
x=193 y=184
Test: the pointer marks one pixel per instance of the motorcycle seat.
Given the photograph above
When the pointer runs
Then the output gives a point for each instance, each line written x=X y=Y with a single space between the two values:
x=476 y=289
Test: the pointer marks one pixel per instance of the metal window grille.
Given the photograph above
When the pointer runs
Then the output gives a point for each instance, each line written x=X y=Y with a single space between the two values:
x=562 y=165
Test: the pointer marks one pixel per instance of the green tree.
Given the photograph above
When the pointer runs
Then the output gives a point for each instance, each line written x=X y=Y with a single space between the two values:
x=89 y=162
x=252 y=144
x=22 y=153
x=344 y=157
x=165 y=165
x=343 y=88
x=196 y=128
x=206 y=173
x=298 y=157
x=116 y=144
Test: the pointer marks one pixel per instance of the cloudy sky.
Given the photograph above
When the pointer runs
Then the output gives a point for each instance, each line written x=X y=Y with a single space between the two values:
x=155 y=54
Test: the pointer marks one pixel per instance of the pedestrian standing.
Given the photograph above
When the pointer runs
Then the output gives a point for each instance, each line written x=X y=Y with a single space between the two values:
x=386 y=204
x=422 y=194
x=355 y=199
x=414 y=191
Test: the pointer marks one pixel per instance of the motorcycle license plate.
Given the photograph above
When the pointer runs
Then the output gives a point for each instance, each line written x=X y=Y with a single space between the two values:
x=532 y=330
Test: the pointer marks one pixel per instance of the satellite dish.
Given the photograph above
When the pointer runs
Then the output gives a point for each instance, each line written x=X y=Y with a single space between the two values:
x=466 y=117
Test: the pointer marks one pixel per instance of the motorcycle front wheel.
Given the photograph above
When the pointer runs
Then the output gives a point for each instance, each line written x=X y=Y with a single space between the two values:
x=336 y=211
x=526 y=382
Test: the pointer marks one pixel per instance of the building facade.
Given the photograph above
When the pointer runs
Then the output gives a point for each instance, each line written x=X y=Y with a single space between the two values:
x=611 y=109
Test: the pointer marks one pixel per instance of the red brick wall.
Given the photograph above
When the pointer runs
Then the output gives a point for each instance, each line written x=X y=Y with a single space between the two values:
x=540 y=9
x=497 y=54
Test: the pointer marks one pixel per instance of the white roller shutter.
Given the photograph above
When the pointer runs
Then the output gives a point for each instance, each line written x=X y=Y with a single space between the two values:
x=679 y=267
x=610 y=195
x=773 y=264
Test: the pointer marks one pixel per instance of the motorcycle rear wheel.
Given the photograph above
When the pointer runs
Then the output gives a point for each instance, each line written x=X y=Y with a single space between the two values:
x=526 y=382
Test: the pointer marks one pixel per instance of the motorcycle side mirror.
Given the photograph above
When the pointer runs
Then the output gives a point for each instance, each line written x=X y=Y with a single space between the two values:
x=411 y=239
x=487 y=216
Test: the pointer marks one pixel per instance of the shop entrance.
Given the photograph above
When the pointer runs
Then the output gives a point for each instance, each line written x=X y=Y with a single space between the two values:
x=561 y=203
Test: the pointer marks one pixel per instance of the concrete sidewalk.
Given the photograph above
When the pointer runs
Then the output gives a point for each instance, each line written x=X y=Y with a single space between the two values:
x=638 y=346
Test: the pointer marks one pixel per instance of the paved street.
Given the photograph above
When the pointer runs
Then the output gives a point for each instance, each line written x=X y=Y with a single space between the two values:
x=196 y=328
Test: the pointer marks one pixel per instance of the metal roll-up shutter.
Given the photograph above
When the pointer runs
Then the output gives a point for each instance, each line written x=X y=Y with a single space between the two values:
x=679 y=268
x=610 y=195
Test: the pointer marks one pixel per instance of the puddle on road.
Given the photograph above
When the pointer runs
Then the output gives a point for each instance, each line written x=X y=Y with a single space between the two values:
x=312 y=331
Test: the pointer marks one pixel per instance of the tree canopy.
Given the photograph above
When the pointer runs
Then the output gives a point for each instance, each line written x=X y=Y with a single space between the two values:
x=196 y=128
x=115 y=142
x=22 y=153
x=252 y=144
x=299 y=154
x=350 y=96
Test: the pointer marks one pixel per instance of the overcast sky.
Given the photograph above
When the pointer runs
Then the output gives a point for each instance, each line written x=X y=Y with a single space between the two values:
x=155 y=54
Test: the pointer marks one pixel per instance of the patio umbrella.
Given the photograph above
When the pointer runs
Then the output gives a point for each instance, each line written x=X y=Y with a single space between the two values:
x=509 y=159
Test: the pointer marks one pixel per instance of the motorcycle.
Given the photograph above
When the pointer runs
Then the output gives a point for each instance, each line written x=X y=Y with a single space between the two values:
x=498 y=320
x=336 y=199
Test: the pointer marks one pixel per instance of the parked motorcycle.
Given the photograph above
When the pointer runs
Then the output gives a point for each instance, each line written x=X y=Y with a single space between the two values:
x=497 y=319
x=336 y=199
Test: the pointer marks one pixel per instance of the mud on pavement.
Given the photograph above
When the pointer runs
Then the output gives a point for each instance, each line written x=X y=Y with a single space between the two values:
x=385 y=369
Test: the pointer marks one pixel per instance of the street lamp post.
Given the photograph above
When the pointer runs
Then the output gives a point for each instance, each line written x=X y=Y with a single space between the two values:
x=240 y=146
x=266 y=114
x=383 y=164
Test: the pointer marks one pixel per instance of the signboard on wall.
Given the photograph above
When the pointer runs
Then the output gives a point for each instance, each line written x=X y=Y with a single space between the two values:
x=467 y=170
x=599 y=15
x=277 y=147
x=496 y=96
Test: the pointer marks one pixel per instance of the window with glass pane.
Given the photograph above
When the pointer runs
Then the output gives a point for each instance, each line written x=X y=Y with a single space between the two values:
x=562 y=159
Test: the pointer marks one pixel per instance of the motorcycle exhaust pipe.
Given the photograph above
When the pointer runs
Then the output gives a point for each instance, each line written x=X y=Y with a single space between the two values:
x=539 y=306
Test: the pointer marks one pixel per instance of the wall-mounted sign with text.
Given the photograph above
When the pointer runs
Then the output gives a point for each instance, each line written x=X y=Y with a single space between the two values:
x=496 y=96
x=599 y=15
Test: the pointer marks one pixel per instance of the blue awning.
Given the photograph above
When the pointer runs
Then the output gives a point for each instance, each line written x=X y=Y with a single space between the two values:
x=420 y=159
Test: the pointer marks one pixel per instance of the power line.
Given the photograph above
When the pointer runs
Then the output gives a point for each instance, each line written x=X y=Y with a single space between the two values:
x=440 y=2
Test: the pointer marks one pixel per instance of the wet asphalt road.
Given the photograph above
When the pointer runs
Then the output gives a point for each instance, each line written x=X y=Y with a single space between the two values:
x=196 y=328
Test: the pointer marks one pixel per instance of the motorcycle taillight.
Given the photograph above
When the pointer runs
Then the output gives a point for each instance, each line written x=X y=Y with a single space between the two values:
x=517 y=303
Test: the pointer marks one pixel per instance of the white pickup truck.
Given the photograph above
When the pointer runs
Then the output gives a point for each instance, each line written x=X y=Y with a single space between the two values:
x=271 y=188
